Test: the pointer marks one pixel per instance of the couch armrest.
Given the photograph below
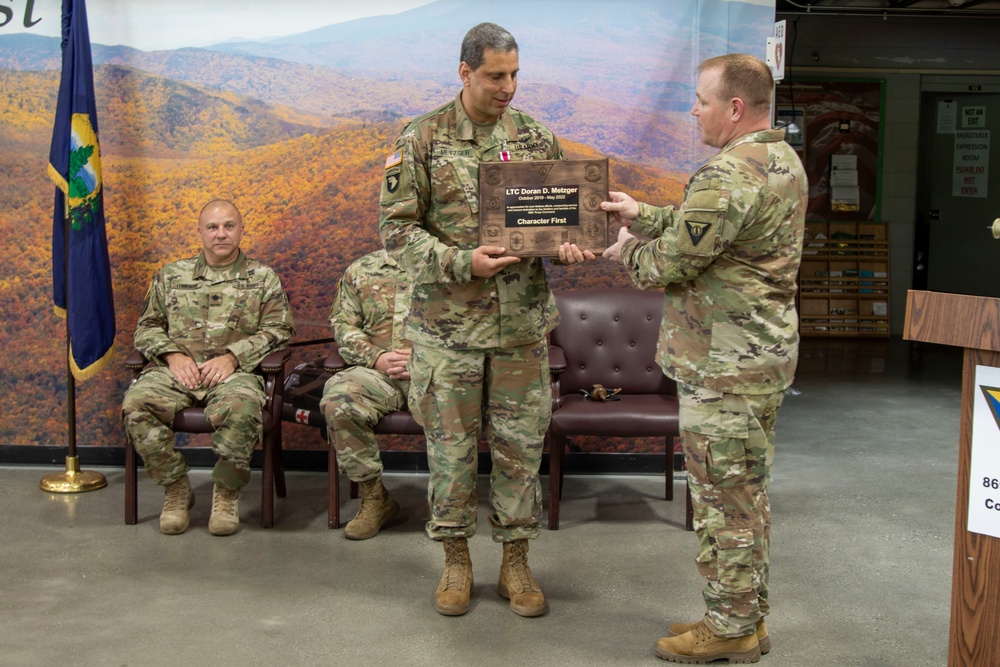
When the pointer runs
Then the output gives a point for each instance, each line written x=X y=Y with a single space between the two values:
x=136 y=361
x=275 y=361
x=334 y=362
x=557 y=359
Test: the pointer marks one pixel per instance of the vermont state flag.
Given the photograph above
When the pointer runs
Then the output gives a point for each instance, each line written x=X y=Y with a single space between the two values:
x=81 y=270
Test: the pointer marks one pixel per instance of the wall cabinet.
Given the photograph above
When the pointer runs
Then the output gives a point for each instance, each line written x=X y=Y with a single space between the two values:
x=844 y=280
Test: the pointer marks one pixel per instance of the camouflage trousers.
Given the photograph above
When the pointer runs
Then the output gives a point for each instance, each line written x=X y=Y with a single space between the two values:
x=728 y=448
x=354 y=400
x=455 y=395
x=233 y=408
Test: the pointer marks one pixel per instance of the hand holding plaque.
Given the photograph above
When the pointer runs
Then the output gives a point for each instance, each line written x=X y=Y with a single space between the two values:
x=533 y=207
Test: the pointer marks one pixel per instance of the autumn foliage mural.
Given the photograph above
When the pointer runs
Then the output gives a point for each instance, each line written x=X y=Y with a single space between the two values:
x=295 y=130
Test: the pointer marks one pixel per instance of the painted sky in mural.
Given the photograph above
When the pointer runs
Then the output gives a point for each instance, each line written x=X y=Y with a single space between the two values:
x=156 y=24
x=152 y=25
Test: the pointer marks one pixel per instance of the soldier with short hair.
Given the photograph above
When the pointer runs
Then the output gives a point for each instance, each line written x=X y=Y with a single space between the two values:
x=207 y=323
x=478 y=318
x=367 y=320
x=727 y=260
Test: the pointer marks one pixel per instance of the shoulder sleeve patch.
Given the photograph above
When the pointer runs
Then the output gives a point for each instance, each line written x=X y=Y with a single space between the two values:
x=702 y=217
x=398 y=176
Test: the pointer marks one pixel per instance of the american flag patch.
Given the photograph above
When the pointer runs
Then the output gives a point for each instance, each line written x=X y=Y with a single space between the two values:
x=394 y=159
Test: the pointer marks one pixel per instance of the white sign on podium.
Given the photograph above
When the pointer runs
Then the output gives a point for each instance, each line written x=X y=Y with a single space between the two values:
x=984 y=466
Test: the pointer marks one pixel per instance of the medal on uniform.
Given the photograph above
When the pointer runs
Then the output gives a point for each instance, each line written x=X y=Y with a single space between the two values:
x=504 y=153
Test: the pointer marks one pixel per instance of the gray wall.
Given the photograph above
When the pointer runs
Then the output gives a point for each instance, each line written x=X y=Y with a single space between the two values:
x=912 y=56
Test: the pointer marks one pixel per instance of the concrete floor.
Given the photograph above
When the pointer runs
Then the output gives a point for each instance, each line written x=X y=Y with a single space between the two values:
x=863 y=497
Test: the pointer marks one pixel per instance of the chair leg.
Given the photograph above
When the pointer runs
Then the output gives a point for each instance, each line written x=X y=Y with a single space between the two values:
x=669 y=470
x=688 y=510
x=556 y=445
x=333 y=501
x=279 y=466
x=131 y=485
x=267 y=483
x=563 y=442
x=354 y=490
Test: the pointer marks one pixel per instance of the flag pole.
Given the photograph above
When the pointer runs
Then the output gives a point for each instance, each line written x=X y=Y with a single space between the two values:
x=72 y=480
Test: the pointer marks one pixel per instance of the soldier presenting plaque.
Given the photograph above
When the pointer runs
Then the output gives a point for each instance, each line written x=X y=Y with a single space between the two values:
x=533 y=208
x=478 y=318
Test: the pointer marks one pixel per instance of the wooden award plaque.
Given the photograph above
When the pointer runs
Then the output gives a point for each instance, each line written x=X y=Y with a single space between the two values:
x=533 y=207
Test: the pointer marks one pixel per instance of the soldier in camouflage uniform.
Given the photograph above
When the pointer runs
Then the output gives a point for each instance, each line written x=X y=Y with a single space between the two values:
x=207 y=323
x=728 y=261
x=478 y=319
x=367 y=320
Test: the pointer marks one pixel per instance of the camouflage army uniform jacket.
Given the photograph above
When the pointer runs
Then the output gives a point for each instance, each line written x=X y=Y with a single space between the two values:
x=430 y=225
x=728 y=261
x=369 y=311
x=206 y=312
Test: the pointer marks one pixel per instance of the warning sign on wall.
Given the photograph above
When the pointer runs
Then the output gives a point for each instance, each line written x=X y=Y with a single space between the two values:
x=972 y=162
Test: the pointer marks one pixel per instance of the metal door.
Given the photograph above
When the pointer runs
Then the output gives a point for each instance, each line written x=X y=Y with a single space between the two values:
x=958 y=194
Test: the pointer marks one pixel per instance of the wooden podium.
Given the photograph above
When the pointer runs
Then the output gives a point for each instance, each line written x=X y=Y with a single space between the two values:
x=972 y=323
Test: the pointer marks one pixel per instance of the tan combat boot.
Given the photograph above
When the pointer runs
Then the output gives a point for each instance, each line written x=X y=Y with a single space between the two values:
x=453 y=593
x=516 y=583
x=762 y=637
x=225 y=519
x=174 y=519
x=377 y=509
x=700 y=646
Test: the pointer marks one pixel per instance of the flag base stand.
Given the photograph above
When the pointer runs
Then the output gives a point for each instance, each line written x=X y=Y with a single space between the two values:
x=73 y=481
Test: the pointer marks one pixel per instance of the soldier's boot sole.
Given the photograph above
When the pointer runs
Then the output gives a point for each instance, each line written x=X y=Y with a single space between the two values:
x=536 y=608
x=763 y=637
x=177 y=521
x=701 y=646
x=453 y=596
x=452 y=602
x=516 y=582
x=355 y=530
x=225 y=518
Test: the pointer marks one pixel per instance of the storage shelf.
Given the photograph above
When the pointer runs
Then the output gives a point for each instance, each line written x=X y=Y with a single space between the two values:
x=844 y=280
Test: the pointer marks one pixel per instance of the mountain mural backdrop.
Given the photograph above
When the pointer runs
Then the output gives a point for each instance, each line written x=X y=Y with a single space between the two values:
x=295 y=130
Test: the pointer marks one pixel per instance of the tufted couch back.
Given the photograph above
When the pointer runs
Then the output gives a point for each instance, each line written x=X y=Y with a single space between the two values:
x=609 y=335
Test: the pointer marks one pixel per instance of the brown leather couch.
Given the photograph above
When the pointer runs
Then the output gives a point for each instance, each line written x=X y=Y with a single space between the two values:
x=607 y=336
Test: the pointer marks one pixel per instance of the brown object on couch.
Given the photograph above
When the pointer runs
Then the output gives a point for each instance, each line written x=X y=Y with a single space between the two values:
x=193 y=420
x=608 y=336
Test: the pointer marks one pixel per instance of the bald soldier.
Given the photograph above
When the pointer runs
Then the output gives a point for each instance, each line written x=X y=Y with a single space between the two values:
x=727 y=261
x=207 y=323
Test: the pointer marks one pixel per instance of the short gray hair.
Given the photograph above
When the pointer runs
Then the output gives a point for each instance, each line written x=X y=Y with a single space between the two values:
x=744 y=76
x=485 y=36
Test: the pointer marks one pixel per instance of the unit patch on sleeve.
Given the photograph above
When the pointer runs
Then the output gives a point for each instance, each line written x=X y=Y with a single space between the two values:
x=392 y=179
x=702 y=216
x=696 y=230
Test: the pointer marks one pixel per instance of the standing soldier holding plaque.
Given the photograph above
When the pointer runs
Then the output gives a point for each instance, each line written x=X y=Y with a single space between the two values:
x=478 y=318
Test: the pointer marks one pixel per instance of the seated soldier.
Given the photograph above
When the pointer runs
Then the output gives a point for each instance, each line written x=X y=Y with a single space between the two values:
x=207 y=323
x=367 y=321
